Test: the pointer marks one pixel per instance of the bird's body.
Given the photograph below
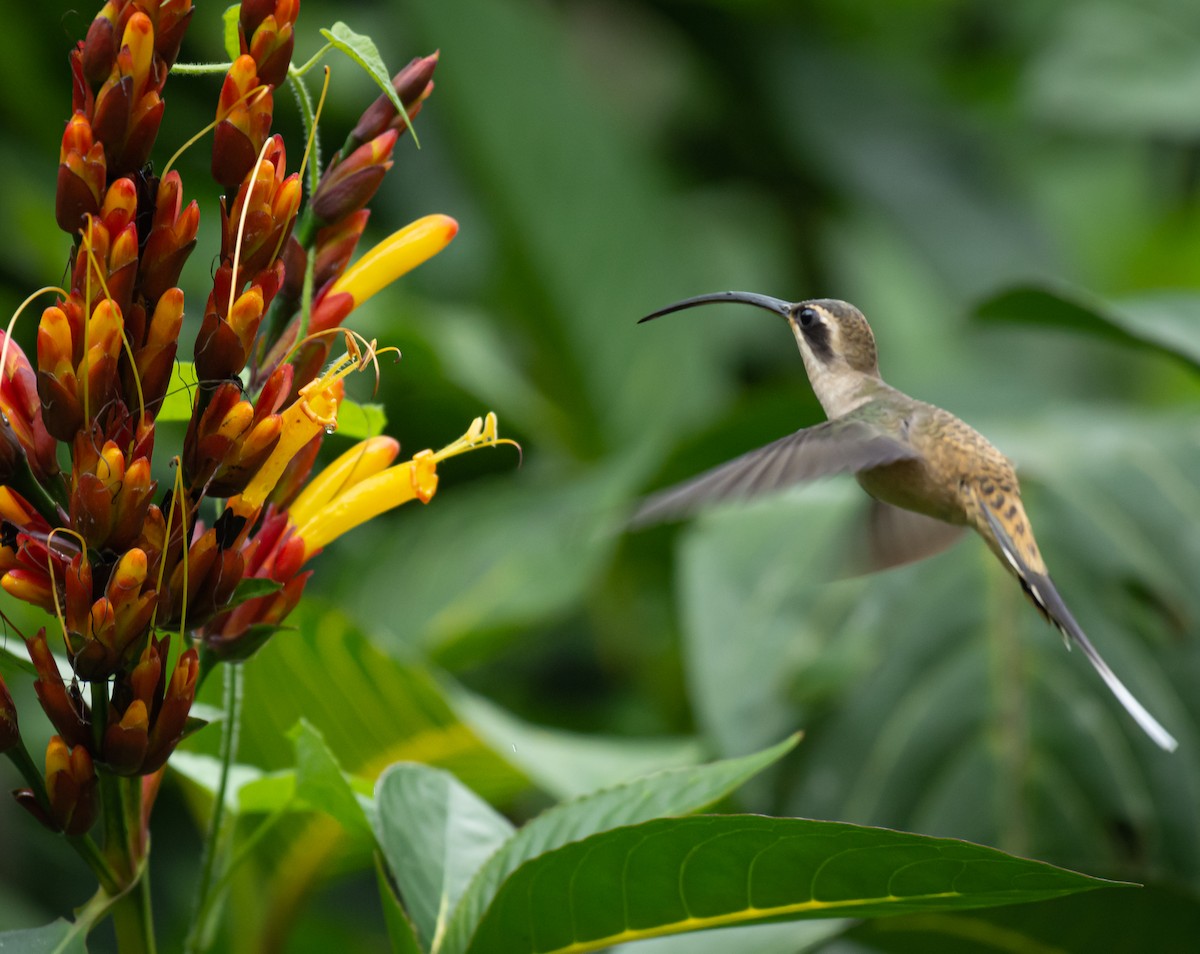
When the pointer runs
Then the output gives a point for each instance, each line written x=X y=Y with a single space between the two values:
x=930 y=474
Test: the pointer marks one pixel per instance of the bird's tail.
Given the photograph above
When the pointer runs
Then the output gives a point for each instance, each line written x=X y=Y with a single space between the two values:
x=1042 y=593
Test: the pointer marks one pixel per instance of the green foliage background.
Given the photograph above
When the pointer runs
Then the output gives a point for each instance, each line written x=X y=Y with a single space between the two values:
x=918 y=158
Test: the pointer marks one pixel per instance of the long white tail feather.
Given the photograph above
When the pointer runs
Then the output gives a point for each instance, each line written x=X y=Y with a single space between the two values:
x=1162 y=738
x=1048 y=600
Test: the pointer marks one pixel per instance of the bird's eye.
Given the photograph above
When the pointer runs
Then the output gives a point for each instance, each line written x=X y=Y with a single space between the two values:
x=807 y=316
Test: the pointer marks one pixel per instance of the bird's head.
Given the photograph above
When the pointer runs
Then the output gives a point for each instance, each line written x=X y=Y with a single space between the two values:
x=834 y=338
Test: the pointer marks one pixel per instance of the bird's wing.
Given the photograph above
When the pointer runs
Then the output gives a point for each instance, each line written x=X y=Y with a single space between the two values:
x=1041 y=591
x=887 y=536
x=834 y=447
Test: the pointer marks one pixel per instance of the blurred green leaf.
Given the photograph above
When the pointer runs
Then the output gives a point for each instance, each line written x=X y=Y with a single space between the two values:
x=360 y=421
x=1122 y=69
x=232 y=36
x=61 y=937
x=755 y=610
x=181 y=393
x=320 y=782
x=670 y=792
x=686 y=874
x=896 y=147
x=435 y=834
x=370 y=708
x=1165 y=322
x=401 y=934
x=568 y=764
x=578 y=290
x=204 y=771
x=524 y=551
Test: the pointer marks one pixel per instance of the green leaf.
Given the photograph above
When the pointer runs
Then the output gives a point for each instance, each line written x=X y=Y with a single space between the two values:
x=363 y=51
x=204 y=771
x=59 y=937
x=11 y=657
x=1165 y=322
x=360 y=421
x=401 y=935
x=320 y=782
x=181 y=391
x=233 y=45
x=435 y=834
x=252 y=640
x=495 y=586
x=568 y=764
x=671 y=792
x=787 y=937
x=739 y=576
x=1128 y=71
x=370 y=708
x=251 y=588
x=1154 y=918
x=673 y=875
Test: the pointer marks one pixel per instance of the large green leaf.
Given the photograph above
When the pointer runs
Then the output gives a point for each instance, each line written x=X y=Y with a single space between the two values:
x=435 y=833
x=1166 y=322
x=1154 y=918
x=671 y=792
x=370 y=708
x=686 y=874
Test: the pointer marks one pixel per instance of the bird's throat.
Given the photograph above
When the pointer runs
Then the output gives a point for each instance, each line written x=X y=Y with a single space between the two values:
x=839 y=389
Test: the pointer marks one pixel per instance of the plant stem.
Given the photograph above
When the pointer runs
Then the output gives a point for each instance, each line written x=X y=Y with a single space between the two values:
x=132 y=914
x=90 y=852
x=229 y=734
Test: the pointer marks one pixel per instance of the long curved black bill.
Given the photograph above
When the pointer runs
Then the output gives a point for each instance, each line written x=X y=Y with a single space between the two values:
x=776 y=305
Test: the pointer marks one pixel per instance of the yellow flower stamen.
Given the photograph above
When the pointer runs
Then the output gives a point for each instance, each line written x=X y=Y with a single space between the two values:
x=400 y=252
x=314 y=410
x=415 y=479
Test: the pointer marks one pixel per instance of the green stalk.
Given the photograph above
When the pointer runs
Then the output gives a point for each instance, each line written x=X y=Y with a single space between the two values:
x=229 y=734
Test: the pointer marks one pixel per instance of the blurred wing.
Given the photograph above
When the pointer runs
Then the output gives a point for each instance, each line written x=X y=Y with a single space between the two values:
x=1041 y=591
x=889 y=536
x=835 y=447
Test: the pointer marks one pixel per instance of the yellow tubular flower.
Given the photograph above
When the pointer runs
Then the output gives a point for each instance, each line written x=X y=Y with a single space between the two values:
x=365 y=459
x=401 y=252
x=416 y=479
x=314 y=410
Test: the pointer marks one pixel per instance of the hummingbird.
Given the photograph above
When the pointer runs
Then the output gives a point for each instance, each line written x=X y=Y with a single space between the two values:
x=930 y=476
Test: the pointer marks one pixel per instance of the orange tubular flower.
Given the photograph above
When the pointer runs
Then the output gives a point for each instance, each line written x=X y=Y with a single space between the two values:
x=65 y=711
x=81 y=175
x=21 y=405
x=412 y=85
x=244 y=113
x=70 y=786
x=265 y=30
x=148 y=715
